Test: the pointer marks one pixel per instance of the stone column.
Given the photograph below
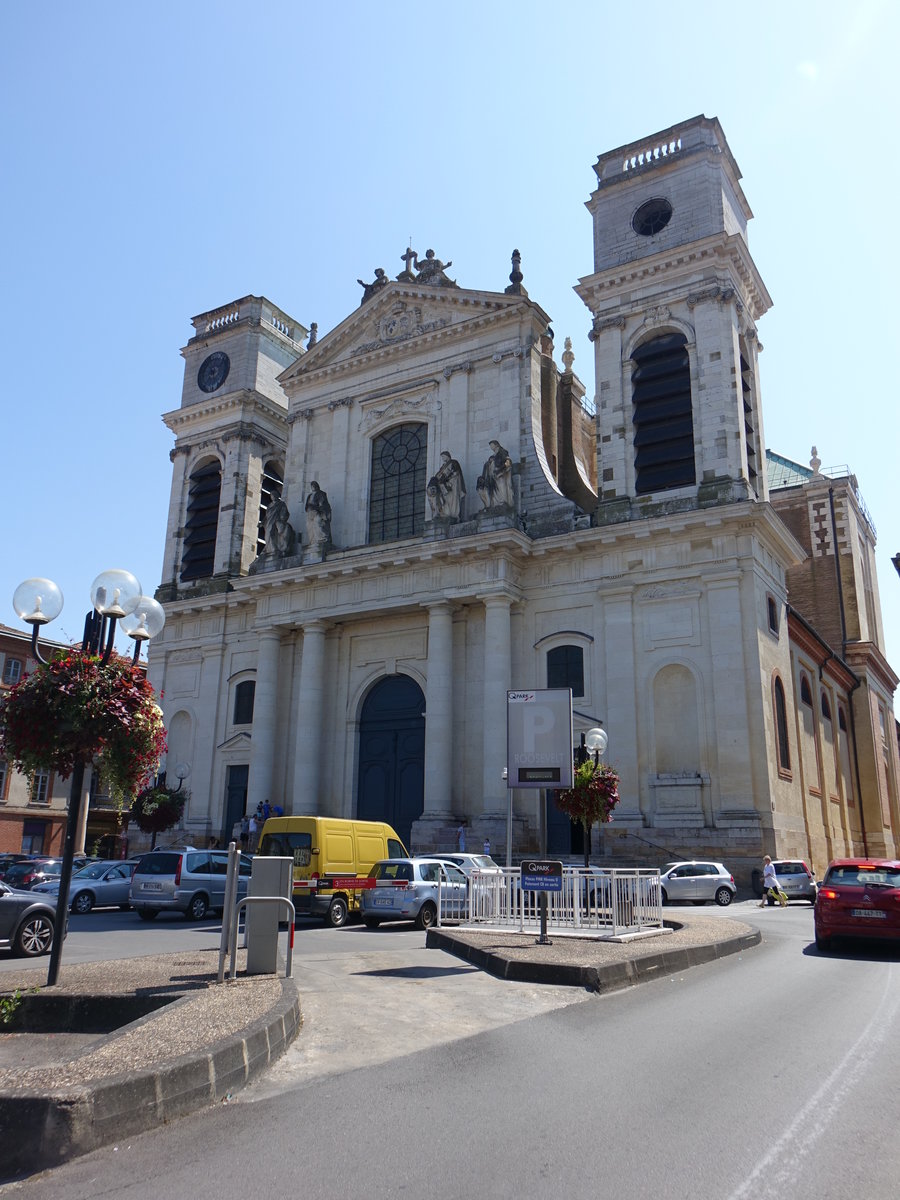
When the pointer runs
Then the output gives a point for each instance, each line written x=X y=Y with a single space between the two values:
x=497 y=666
x=262 y=745
x=439 y=712
x=310 y=714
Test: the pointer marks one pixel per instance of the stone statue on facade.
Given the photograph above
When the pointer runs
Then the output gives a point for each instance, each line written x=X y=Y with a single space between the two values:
x=495 y=481
x=446 y=490
x=430 y=270
x=318 y=517
x=371 y=289
x=280 y=535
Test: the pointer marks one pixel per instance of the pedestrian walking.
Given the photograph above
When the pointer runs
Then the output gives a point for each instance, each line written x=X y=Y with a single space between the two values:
x=253 y=831
x=245 y=832
x=487 y=846
x=461 y=837
x=771 y=886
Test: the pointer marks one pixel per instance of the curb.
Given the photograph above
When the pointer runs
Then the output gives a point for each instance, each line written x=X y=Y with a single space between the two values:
x=53 y=1127
x=608 y=978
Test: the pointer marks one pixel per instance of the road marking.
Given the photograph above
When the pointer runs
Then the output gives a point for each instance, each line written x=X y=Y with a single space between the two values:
x=782 y=1166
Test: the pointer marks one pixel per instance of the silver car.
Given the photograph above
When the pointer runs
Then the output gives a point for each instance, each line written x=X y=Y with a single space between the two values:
x=697 y=882
x=190 y=882
x=414 y=889
x=795 y=879
x=102 y=884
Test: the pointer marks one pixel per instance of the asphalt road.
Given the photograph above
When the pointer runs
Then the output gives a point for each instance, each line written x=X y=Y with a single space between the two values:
x=770 y=1073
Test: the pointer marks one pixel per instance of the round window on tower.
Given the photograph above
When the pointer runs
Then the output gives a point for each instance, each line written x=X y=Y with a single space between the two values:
x=651 y=217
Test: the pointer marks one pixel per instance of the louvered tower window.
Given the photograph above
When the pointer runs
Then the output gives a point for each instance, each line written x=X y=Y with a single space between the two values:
x=663 y=418
x=396 y=500
x=272 y=485
x=202 y=522
x=749 y=426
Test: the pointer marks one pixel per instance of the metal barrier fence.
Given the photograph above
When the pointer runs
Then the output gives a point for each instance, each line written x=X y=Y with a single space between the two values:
x=592 y=900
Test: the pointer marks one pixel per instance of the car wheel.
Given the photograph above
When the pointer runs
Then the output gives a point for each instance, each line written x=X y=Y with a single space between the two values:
x=148 y=914
x=338 y=912
x=83 y=903
x=198 y=908
x=823 y=944
x=371 y=922
x=34 y=936
x=664 y=895
x=427 y=916
x=723 y=897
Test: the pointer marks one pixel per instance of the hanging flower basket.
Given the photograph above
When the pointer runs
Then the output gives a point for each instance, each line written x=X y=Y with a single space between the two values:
x=593 y=796
x=73 y=709
x=157 y=809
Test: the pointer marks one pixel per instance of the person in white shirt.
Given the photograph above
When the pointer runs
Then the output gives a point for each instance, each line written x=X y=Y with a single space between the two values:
x=771 y=884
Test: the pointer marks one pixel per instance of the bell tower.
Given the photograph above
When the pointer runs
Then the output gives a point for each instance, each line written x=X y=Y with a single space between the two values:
x=674 y=297
x=231 y=436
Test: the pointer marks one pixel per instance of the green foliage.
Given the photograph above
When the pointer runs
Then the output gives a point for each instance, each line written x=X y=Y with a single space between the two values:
x=74 y=709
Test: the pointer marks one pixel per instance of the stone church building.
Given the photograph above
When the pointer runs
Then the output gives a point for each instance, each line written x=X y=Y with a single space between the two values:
x=373 y=535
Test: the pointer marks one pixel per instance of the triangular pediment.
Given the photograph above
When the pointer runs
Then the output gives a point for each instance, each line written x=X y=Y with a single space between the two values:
x=398 y=317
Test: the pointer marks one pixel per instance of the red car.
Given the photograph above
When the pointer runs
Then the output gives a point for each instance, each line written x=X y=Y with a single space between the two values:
x=859 y=897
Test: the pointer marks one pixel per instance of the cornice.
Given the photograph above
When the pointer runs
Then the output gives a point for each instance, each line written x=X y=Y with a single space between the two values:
x=182 y=420
x=595 y=289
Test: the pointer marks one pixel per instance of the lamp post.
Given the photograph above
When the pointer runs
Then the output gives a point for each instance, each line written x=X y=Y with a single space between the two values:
x=116 y=596
x=594 y=741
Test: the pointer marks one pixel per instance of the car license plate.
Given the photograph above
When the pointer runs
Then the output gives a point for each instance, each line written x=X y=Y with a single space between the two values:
x=383 y=901
x=152 y=887
x=867 y=912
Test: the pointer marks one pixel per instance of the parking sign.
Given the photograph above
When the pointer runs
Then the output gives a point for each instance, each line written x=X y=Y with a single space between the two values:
x=539 y=738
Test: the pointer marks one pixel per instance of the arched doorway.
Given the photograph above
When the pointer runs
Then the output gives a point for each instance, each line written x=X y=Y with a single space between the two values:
x=391 y=784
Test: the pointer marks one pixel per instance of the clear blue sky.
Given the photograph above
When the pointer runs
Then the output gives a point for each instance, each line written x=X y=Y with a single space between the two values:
x=160 y=160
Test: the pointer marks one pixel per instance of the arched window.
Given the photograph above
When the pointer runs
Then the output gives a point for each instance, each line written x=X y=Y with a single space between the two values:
x=202 y=521
x=805 y=693
x=244 y=695
x=781 y=728
x=826 y=708
x=663 y=417
x=565 y=668
x=272 y=485
x=750 y=434
x=397 y=496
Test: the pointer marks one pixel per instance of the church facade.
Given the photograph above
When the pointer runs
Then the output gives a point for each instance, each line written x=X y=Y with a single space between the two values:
x=374 y=535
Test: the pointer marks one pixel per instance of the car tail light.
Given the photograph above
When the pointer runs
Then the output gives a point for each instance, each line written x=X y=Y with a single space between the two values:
x=731 y=877
x=828 y=893
x=178 y=871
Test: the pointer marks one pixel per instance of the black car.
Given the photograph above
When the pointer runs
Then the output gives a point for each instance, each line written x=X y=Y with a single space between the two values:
x=7 y=860
x=25 y=874
x=26 y=922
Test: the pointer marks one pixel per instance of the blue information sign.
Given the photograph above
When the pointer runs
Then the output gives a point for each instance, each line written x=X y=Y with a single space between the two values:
x=542 y=875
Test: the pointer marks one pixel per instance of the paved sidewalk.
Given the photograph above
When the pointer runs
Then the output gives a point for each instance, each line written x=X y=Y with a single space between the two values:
x=65 y=1094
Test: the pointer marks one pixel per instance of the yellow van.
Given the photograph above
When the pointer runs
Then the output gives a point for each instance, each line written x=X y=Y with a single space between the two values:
x=328 y=851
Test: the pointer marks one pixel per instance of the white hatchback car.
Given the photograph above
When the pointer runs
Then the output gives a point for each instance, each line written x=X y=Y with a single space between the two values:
x=698 y=882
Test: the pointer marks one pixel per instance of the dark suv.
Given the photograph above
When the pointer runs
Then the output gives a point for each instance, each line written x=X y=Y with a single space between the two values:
x=188 y=881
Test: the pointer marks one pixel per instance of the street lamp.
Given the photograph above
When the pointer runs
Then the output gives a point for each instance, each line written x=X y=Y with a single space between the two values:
x=595 y=742
x=116 y=596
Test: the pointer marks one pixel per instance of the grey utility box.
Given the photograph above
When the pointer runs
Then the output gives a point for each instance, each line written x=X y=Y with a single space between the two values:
x=269 y=877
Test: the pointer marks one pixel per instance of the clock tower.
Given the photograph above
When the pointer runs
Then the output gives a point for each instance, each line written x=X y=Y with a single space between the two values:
x=674 y=297
x=231 y=435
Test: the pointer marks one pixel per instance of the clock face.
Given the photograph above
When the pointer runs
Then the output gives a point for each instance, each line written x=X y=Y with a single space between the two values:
x=213 y=371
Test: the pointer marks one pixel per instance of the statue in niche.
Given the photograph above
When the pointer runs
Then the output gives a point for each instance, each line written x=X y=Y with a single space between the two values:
x=318 y=517
x=280 y=535
x=495 y=481
x=430 y=270
x=449 y=489
x=370 y=289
